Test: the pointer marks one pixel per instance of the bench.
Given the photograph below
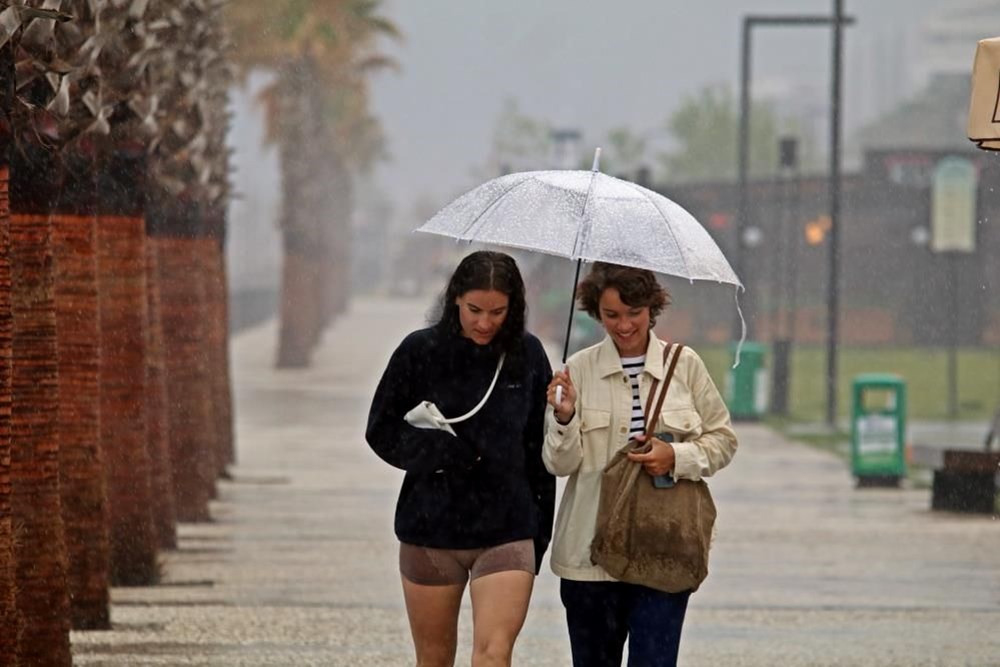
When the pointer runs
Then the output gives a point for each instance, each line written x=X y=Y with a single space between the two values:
x=965 y=480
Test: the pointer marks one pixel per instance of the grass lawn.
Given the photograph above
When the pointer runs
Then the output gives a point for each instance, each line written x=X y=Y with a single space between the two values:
x=924 y=369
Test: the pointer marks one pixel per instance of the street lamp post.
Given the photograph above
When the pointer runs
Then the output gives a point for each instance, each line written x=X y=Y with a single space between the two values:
x=784 y=259
x=837 y=21
x=795 y=246
x=833 y=286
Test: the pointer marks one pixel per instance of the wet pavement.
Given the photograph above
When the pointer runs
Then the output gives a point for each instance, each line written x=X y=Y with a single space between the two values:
x=299 y=565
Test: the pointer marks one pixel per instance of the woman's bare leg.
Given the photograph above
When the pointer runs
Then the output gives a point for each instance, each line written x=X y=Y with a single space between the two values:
x=433 y=613
x=499 y=605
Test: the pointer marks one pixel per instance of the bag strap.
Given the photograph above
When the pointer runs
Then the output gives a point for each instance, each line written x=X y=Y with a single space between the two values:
x=651 y=417
x=489 y=391
x=652 y=394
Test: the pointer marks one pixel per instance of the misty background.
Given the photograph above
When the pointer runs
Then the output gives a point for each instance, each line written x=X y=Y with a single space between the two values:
x=480 y=88
x=597 y=65
x=589 y=67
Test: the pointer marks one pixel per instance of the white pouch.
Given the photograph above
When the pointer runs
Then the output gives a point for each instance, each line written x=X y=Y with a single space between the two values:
x=427 y=415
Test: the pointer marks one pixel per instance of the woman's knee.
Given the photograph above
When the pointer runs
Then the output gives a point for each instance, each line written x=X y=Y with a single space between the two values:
x=496 y=650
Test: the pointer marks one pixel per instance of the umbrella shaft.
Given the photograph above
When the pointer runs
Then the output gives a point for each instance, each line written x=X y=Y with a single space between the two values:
x=572 y=304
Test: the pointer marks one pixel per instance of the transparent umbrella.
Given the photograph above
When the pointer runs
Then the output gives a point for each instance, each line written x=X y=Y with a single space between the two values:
x=585 y=216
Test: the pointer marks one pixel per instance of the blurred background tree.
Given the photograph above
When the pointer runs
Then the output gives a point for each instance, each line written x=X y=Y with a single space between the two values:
x=322 y=54
x=521 y=142
x=623 y=152
x=704 y=132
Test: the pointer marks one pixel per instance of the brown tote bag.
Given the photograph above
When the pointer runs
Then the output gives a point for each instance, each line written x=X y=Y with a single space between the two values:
x=656 y=537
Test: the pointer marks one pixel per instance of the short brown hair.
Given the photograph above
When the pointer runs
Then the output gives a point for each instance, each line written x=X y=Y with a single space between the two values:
x=637 y=287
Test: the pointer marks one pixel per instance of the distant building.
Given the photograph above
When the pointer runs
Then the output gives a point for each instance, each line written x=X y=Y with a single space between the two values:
x=894 y=289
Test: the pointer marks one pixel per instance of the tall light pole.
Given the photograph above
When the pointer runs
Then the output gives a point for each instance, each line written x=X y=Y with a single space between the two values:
x=743 y=158
x=837 y=21
x=833 y=286
x=784 y=219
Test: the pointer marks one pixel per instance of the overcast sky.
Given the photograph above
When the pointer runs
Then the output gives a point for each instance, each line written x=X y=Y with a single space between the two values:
x=596 y=64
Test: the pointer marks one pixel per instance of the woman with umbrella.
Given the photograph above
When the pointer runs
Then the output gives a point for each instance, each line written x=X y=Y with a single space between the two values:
x=476 y=503
x=596 y=409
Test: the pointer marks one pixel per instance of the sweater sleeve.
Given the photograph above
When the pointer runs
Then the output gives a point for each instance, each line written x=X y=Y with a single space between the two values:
x=397 y=442
x=543 y=484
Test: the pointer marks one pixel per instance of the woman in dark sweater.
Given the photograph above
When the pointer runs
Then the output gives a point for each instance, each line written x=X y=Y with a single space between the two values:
x=476 y=503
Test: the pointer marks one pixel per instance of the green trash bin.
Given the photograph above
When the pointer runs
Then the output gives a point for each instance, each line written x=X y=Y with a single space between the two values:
x=747 y=385
x=878 y=429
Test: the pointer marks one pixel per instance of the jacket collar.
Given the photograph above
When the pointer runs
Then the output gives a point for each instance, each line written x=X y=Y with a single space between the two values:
x=609 y=362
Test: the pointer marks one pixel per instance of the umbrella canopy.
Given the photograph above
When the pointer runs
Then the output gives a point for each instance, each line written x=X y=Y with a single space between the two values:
x=588 y=216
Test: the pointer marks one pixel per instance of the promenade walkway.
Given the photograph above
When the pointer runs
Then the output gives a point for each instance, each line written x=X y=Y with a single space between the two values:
x=299 y=565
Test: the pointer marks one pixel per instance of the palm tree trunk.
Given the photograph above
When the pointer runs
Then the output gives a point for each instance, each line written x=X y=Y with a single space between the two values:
x=217 y=297
x=189 y=415
x=82 y=477
x=303 y=192
x=299 y=310
x=10 y=619
x=204 y=249
x=164 y=508
x=39 y=544
x=122 y=286
x=225 y=390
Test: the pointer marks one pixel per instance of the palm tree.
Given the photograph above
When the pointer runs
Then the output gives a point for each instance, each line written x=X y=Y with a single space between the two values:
x=72 y=103
x=220 y=76
x=67 y=107
x=82 y=481
x=120 y=262
x=41 y=593
x=190 y=168
x=317 y=112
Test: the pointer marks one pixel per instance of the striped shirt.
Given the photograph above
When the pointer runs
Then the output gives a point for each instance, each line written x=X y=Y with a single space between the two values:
x=633 y=368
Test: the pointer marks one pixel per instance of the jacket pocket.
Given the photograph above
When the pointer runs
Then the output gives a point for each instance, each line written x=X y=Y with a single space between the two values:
x=595 y=431
x=684 y=423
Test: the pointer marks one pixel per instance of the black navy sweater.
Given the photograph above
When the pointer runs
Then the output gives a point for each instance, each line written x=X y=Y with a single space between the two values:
x=488 y=485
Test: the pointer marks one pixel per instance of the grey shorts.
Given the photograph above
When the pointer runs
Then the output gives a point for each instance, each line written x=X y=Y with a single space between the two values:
x=428 y=566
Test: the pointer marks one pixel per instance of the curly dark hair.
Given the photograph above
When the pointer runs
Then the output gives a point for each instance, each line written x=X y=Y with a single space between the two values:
x=637 y=287
x=487 y=270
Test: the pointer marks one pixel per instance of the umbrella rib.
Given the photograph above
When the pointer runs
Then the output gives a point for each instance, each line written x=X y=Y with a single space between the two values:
x=577 y=243
x=491 y=204
x=666 y=222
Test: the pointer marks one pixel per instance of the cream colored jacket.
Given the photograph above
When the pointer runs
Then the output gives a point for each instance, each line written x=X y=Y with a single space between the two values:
x=693 y=411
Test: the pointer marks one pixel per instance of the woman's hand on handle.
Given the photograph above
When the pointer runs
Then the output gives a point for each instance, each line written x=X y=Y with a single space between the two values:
x=564 y=405
x=659 y=460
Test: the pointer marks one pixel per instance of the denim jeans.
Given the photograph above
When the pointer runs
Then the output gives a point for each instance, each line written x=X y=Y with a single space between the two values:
x=601 y=614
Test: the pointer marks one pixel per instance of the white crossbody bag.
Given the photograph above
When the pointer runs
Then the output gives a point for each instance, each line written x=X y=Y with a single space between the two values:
x=427 y=415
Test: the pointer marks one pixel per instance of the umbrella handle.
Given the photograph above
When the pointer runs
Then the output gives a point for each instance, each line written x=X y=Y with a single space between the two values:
x=558 y=394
